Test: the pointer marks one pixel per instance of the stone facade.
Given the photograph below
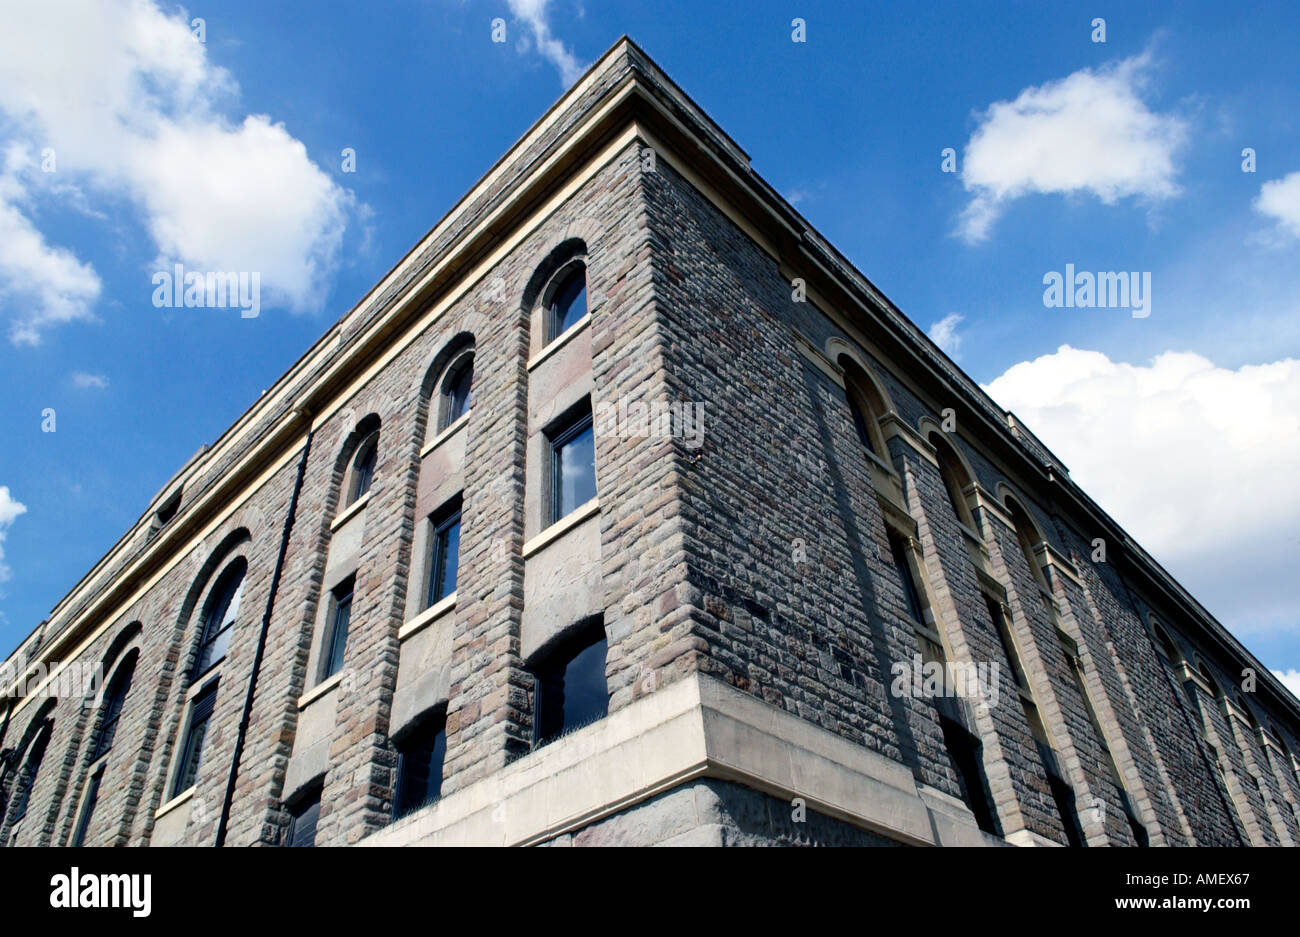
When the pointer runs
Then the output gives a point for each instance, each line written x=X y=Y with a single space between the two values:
x=749 y=588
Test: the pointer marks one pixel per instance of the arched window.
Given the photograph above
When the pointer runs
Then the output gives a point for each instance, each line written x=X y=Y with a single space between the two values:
x=31 y=766
x=867 y=407
x=1029 y=537
x=111 y=711
x=566 y=299
x=454 y=391
x=1166 y=646
x=219 y=616
x=1213 y=684
x=363 y=467
x=955 y=479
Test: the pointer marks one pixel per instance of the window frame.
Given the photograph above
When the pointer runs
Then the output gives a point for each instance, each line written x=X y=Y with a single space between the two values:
x=209 y=635
x=567 y=431
x=429 y=728
x=191 y=750
x=574 y=268
x=459 y=364
x=915 y=602
x=110 y=712
x=341 y=597
x=309 y=803
x=365 y=458
x=88 y=804
x=440 y=525
x=550 y=673
x=30 y=768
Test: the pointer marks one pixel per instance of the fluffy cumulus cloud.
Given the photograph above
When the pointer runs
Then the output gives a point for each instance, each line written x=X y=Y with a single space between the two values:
x=944 y=334
x=131 y=111
x=9 y=511
x=1279 y=199
x=1088 y=133
x=533 y=13
x=1199 y=463
x=1290 y=679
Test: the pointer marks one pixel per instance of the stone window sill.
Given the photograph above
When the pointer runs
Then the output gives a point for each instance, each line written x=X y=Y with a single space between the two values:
x=349 y=512
x=452 y=429
x=560 y=341
x=319 y=690
x=562 y=526
x=175 y=802
x=427 y=617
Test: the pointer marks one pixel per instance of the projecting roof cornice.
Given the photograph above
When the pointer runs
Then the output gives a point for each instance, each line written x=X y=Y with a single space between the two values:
x=623 y=89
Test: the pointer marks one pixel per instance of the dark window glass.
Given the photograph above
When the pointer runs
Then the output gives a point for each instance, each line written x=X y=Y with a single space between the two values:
x=112 y=708
x=363 y=471
x=455 y=392
x=1004 y=637
x=419 y=767
x=88 y=809
x=965 y=750
x=1063 y=794
x=446 y=554
x=569 y=302
x=219 y=617
x=954 y=493
x=571 y=689
x=336 y=639
x=860 y=424
x=192 y=749
x=27 y=779
x=910 y=592
x=302 y=821
x=573 y=468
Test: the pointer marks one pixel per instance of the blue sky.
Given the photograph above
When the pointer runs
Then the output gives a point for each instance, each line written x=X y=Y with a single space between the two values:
x=227 y=155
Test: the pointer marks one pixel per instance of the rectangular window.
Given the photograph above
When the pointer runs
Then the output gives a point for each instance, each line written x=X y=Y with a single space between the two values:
x=88 y=809
x=573 y=467
x=445 y=557
x=336 y=638
x=192 y=749
x=571 y=691
x=303 y=819
x=419 y=767
x=910 y=591
x=966 y=752
x=1063 y=794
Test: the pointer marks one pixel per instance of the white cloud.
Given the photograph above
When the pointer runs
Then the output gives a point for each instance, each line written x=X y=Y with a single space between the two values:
x=944 y=334
x=533 y=12
x=1280 y=200
x=1290 y=679
x=1199 y=463
x=9 y=511
x=47 y=283
x=84 y=381
x=131 y=109
x=1089 y=132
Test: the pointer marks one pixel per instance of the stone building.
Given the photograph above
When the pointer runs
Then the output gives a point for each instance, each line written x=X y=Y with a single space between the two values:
x=624 y=510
